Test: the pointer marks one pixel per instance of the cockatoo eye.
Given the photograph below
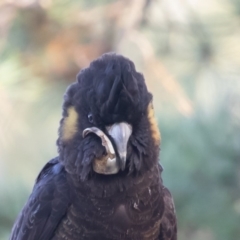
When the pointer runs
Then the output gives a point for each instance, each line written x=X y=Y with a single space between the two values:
x=90 y=118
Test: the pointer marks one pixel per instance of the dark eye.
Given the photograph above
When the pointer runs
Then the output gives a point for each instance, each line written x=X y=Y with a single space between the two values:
x=90 y=117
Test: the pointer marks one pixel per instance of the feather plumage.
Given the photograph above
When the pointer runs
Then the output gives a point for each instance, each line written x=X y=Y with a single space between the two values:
x=70 y=200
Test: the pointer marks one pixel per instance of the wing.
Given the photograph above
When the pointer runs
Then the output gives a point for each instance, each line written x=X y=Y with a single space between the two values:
x=168 y=229
x=46 y=205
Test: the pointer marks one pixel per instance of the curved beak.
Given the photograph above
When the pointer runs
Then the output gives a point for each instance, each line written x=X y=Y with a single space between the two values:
x=107 y=164
x=112 y=162
x=120 y=132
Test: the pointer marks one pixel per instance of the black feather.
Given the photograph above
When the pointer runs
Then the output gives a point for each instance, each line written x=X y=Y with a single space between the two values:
x=46 y=206
x=69 y=200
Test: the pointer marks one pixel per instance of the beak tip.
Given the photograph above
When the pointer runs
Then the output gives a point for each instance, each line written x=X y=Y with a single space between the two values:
x=122 y=163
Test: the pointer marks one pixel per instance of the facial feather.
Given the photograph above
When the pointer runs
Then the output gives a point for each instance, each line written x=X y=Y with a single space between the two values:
x=153 y=124
x=69 y=127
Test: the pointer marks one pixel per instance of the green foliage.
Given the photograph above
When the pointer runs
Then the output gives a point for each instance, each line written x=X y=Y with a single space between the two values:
x=201 y=159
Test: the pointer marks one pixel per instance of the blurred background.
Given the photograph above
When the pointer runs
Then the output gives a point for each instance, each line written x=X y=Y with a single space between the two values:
x=189 y=52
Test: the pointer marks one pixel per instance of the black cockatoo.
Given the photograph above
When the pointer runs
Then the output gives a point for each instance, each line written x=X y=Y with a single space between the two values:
x=106 y=182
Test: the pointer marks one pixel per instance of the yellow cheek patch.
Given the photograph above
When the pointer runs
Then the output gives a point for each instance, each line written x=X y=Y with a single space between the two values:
x=153 y=124
x=69 y=127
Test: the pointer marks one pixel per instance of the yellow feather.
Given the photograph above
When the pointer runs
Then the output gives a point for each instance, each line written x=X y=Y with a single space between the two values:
x=69 y=127
x=153 y=124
